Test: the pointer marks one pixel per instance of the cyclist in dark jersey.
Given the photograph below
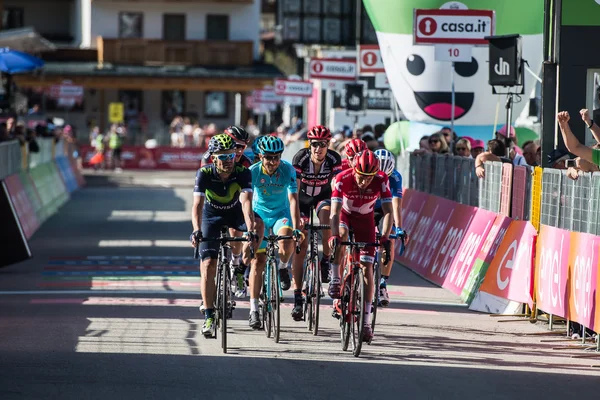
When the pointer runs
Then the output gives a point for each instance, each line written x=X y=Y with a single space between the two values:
x=315 y=169
x=222 y=197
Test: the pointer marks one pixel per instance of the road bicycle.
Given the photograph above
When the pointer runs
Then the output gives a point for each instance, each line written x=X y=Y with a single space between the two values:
x=311 y=282
x=224 y=305
x=271 y=294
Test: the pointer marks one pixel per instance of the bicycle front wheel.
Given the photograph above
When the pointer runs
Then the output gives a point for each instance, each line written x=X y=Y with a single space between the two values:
x=224 y=305
x=358 y=311
x=275 y=301
x=307 y=289
x=265 y=299
x=316 y=296
x=346 y=315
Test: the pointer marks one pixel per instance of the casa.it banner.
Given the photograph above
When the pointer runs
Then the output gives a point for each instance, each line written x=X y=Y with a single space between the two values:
x=139 y=157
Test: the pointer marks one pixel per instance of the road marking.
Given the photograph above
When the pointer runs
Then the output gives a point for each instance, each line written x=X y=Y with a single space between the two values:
x=105 y=273
x=120 y=262
x=120 y=267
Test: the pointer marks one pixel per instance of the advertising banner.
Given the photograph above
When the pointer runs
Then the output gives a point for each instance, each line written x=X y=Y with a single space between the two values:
x=160 y=158
x=469 y=249
x=551 y=270
x=583 y=271
x=23 y=207
x=509 y=275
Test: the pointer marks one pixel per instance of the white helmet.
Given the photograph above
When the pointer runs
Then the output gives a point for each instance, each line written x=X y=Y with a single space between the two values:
x=387 y=163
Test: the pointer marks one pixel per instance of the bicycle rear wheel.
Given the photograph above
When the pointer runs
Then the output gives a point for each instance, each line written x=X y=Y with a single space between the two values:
x=375 y=304
x=346 y=316
x=315 y=296
x=275 y=301
x=358 y=311
x=224 y=305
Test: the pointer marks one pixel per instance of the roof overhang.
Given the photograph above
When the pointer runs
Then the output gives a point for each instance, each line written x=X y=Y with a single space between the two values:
x=26 y=40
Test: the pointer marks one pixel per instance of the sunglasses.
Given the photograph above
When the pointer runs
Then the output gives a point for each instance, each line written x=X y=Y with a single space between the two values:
x=273 y=158
x=225 y=157
x=319 y=144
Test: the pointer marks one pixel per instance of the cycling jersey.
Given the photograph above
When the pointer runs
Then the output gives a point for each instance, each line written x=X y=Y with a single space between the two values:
x=395 y=187
x=271 y=191
x=356 y=202
x=315 y=186
x=244 y=161
x=345 y=164
x=221 y=197
x=357 y=207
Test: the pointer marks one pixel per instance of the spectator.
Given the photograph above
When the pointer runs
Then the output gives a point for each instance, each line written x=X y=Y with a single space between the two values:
x=573 y=145
x=463 y=148
x=370 y=140
x=424 y=145
x=557 y=159
x=530 y=148
x=450 y=137
x=582 y=166
x=438 y=144
x=477 y=147
x=496 y=152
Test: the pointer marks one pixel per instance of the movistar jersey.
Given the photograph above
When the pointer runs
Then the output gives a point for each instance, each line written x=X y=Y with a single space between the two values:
x=395 y=187
x=221 y=197
x=271 y=192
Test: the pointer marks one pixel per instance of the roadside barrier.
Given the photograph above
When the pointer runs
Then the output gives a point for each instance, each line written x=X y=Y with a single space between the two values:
x=34 y=187
x=533 y=239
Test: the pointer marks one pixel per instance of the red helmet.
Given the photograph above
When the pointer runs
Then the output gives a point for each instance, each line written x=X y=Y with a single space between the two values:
x=366 y=163
x=354 y=147
x=319 y=132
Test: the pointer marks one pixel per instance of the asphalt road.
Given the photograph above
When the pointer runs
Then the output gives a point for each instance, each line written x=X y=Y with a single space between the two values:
x=108 y=308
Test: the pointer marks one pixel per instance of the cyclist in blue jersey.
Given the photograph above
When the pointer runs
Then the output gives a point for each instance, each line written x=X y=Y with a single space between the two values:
x=222 y=197
x=387 y=165
x=275 y=201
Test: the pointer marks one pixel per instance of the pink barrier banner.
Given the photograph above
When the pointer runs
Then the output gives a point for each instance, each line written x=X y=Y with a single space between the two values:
x=506 y=189
x=470 y=247
x=519 y=186
x=445 y=248
x=552 y=270
x=23 y=207
x=139 y=157
x=510 y=274
x=583 y=271
x=494 y=239
x=428 y=233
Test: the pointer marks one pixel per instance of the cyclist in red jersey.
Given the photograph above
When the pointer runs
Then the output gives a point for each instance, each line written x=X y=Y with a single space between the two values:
x=352 y=149
x=352 y=202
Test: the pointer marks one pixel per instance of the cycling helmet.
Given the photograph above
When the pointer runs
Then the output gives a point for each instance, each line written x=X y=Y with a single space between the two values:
x=256 y=144
x=271 y=144
x=220 y=142
x=237 y=133
x=354 y=147
x=366 y=163
x=387 y=163
x=319 y=132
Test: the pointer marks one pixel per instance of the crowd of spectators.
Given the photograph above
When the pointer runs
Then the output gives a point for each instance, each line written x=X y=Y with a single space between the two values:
x=28 y=132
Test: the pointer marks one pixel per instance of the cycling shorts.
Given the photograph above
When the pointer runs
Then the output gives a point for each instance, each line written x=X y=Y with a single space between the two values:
x=211 y=228
x=379 y=217
x=318 y=204
x=364 y=231
x=275 y=222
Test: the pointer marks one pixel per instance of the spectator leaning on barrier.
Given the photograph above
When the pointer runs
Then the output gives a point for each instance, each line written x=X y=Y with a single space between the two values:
x=530 y=148
x=477 y=147
x=573 y=145
x=496 y=152
x=582 y=165
x=462 y=148
x=438 y=144
x=589 y=122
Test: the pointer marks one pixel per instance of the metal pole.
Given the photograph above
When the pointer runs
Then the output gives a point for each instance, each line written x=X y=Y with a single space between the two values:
x=508 y=120
x=238 y=109
x=453 y=100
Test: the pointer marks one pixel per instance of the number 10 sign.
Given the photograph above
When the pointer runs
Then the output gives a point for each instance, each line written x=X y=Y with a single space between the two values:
x=452 y=52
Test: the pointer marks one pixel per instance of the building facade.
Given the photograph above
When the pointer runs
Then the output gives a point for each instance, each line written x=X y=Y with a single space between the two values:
x=158 y=58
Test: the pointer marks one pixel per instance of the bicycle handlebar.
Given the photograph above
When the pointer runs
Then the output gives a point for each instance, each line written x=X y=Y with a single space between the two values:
x=318 y=227
x=276 y=238
x=222 y=240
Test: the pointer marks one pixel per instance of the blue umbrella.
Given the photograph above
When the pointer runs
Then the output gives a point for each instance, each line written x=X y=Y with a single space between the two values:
x=13 y=61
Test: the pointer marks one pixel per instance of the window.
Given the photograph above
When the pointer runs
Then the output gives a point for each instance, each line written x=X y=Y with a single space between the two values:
x=12 y=18
x=131 y=25
x=174 y=26
x=217 y=27
x=172 y=104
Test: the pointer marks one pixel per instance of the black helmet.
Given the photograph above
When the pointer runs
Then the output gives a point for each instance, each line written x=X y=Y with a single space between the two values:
x=237 y=133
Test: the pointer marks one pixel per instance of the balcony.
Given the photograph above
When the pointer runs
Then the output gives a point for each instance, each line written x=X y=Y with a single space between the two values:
x=164 y=52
